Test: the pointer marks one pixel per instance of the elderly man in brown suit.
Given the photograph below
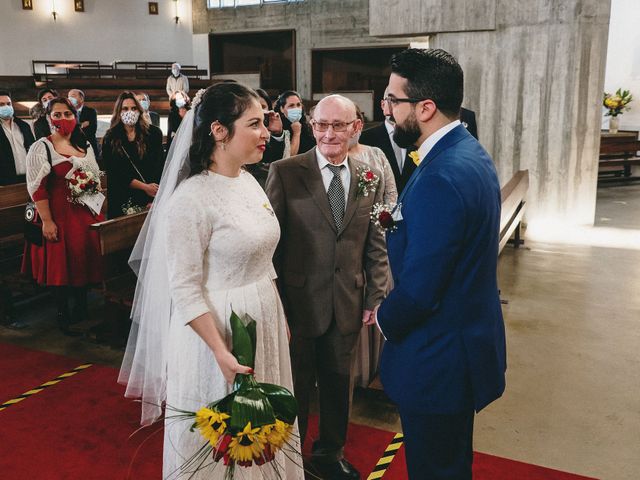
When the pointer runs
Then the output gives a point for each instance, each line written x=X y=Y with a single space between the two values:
x=332 y=267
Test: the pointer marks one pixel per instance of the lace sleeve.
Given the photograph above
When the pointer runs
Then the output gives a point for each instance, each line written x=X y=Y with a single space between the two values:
x=390 y=188
x=188 y=233
x=38 y=169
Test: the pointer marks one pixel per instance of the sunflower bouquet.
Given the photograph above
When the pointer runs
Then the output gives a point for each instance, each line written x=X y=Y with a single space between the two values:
x=251 y=424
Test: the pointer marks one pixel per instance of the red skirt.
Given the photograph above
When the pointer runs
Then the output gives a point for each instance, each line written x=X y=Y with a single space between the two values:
x=75 y=258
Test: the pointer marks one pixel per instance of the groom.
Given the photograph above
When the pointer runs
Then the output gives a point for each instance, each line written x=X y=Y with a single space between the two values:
x=332 y=269
x=445 y=355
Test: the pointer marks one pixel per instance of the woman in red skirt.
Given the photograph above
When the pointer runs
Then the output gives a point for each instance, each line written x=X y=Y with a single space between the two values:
x=63 y=180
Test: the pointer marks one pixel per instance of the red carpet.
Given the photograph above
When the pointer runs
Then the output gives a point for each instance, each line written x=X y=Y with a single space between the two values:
x=80 y=428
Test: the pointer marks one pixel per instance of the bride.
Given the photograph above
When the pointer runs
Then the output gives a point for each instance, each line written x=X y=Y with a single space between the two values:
x=206 y=247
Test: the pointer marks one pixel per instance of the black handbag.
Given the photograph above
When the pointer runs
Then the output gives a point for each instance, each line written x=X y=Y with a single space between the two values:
x=32 y=221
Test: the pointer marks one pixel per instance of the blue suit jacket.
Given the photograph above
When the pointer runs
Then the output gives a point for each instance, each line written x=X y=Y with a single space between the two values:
x=443 y=320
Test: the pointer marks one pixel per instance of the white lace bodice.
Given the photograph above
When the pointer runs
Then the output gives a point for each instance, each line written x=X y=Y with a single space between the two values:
x=229 y=223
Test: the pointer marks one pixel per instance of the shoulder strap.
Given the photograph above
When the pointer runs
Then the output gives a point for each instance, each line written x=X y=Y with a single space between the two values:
x=133 y=164
x=48 y=153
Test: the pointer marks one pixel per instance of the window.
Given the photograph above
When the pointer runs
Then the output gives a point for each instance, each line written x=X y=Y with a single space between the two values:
x=241 y=3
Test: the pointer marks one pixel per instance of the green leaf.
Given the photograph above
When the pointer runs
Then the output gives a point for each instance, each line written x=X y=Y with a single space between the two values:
x=285 y=405
x=251 y=325
x=243 y=346
x=250 y=405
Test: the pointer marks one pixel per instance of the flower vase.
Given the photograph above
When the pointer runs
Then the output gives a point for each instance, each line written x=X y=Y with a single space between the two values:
x=614 y=123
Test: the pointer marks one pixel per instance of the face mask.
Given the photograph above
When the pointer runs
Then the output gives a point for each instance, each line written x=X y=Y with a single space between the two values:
x=175 y=72
x=294 y=114
x=73 y=101
x=180 y=102
x=6 y=112
x=130 y=117
x=64 y=126
x=145 y=104
x=45 y=104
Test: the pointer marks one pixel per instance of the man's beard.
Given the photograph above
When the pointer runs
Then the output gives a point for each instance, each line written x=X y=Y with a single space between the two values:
x=406 y=135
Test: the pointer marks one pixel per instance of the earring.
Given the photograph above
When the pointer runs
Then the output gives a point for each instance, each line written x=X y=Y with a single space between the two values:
x=223 y=145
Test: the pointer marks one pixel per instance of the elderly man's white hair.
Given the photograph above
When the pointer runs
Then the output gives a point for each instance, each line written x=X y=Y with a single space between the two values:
x=347 y=102
x=175 y=65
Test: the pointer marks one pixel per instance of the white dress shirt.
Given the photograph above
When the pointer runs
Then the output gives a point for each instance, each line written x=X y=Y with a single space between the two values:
x=401 y=153
x=327 y=174
x=16 y=140
x=434 y=138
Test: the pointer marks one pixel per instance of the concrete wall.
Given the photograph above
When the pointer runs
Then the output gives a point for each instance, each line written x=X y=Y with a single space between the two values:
x=623 y=58
x=318 y=24
x=106 y=31
x=536 y=84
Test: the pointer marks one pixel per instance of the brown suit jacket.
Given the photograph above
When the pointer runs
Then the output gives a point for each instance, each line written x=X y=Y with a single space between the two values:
x=324 y=273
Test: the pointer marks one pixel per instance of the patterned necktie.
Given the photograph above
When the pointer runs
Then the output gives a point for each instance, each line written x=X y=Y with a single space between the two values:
x=336 y=195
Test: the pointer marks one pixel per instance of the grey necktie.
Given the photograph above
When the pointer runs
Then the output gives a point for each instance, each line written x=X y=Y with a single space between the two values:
x=336 y=195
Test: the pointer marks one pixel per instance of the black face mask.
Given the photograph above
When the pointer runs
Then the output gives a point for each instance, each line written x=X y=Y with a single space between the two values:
x=406 y=135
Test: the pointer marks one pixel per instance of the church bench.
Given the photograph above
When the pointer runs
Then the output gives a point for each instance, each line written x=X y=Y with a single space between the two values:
x=513 y=195
x=13 y=199
x=618 y=150
x=117 y=238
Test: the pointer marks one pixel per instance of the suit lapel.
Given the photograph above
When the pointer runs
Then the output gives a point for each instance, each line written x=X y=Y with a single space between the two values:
x=451 y=138
x=312 y=179
x=352 y=200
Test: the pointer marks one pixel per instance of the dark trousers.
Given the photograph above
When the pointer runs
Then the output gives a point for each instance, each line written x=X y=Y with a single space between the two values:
x=438 y=447
x=328 y=360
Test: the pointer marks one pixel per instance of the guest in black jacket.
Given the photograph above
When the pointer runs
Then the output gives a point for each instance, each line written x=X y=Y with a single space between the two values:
x=134 y=159
x=15 y=140
x=289 y=106
x=179 y=106
x=41 y=125
x=87 y=118
x=468 y=119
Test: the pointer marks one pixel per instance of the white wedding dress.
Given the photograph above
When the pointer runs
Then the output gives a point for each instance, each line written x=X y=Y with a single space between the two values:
x=221 y=235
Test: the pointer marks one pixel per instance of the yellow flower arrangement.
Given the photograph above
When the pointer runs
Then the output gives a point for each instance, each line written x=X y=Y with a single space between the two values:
x=617 y=102
x=277 y=434
x=247 y=444
x=211 y=424
x=228 y=423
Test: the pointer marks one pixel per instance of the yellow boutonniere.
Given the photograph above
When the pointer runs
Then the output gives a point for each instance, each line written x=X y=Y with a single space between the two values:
x=415 y=157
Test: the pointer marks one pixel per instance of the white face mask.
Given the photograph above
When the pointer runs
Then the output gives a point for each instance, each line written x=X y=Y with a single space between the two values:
x=175 y=72
x=130 y=117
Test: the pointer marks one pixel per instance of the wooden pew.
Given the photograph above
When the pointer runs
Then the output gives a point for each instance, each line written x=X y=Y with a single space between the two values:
x=117 y=238
x=618 y=150
x=513 y=205
x=13 y=199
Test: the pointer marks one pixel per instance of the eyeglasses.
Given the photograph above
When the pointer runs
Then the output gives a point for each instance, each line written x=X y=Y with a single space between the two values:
x=337 y=126
x=395 y=101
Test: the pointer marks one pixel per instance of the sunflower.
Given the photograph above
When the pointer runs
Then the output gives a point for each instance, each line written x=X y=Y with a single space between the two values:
x=247 y=444
x=277 y=434
x=211 y=424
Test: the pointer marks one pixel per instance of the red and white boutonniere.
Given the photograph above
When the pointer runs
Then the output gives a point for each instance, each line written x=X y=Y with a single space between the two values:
x=367 y=181
x=383 y=216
